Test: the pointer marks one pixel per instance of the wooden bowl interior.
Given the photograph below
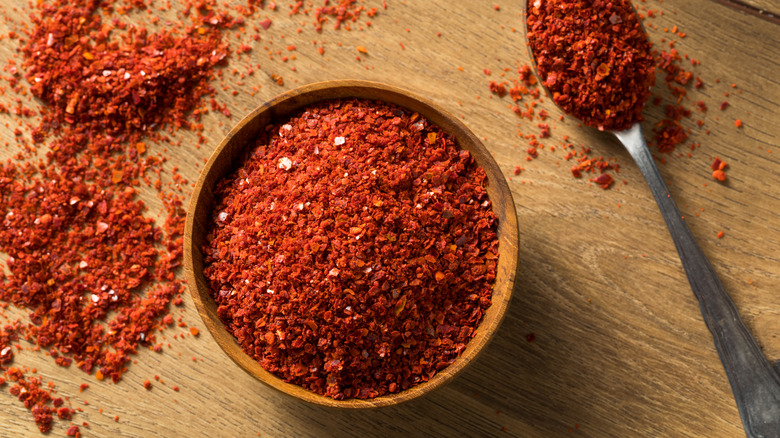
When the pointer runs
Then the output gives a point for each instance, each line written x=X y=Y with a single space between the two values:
x=226 y=158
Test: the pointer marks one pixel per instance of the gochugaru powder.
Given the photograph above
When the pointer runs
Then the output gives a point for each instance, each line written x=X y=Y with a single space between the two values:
x=354 y=250
x=594 y=58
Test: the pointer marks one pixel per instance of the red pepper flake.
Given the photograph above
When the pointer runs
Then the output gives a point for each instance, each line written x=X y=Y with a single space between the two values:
x=530 y=337
x=545 y=130
x=738 y=123
x=721 y=234
x=718 y=164
x=486 y=71
x=265 y=24
x=361 y=49
x=194 y=331
x=94 y=273
x=719 y=175
x=724 y=105
x=668 y=134
x=147 y=385
x=497 y=88
x=518 y=169
x=83 y=386
x=604 y=180
x=571 y=42
x=73 y=431
x=64 y=413
x=354 y=307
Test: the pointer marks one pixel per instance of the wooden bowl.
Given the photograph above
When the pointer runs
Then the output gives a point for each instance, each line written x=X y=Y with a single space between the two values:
x=225 y=159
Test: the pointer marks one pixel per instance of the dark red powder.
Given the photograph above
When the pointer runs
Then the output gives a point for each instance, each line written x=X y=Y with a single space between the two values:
x=594 y=58
x=86 y=261
x=354 y=251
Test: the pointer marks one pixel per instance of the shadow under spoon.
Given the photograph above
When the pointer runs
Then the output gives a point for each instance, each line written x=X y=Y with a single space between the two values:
x=755 y=383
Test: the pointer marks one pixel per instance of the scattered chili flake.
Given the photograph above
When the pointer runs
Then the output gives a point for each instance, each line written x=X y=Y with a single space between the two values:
x=147 y=385
x=194 y=331
x=595 y=59
x=73 y=431
x=497 y=88
x=738 y=123
x=721 y=234
x=604 y=180
x=718 y=164
x=34 y=397
x=668 y=134
x=93 y=270
x=531 y=337
x=64 y=413
x=372 y=256
x=724 y=105
x=719 y=175
x=361 y=49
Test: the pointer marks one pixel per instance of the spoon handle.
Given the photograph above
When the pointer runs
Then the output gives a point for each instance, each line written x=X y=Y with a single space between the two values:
x=755 y=383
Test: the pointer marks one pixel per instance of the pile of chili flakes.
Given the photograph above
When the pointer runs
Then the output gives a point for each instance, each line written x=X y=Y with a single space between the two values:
x=594 y=58
x=86 y=260
x=354 y=251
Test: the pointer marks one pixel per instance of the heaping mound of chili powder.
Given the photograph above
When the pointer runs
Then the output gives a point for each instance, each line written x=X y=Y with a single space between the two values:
x=594 y=58
x=354 y=252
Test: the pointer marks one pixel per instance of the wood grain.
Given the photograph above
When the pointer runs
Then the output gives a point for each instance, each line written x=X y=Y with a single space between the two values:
x=765 y=9
x=766 y=6
x=620 y=350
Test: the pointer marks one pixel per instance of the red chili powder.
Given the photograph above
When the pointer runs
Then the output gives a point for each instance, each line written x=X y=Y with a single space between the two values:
x=354 y=251
x=86 y=261
x=594 y=58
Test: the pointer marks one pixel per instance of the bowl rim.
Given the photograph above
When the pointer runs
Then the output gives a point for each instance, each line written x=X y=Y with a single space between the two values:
x=286 y=104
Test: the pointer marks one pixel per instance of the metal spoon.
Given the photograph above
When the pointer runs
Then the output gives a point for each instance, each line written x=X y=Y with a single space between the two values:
x=754 y=381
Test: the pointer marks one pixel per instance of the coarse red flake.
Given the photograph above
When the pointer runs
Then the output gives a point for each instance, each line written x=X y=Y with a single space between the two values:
x=371 y=259
x=595 y=60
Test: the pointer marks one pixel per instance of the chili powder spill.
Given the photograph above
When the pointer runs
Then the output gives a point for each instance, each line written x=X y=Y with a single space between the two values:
x=354 y=251
x=668 y=132
x=594 y=58
x=86 y=260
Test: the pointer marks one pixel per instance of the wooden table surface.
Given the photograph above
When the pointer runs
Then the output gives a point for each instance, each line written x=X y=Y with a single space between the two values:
x=620 y=347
